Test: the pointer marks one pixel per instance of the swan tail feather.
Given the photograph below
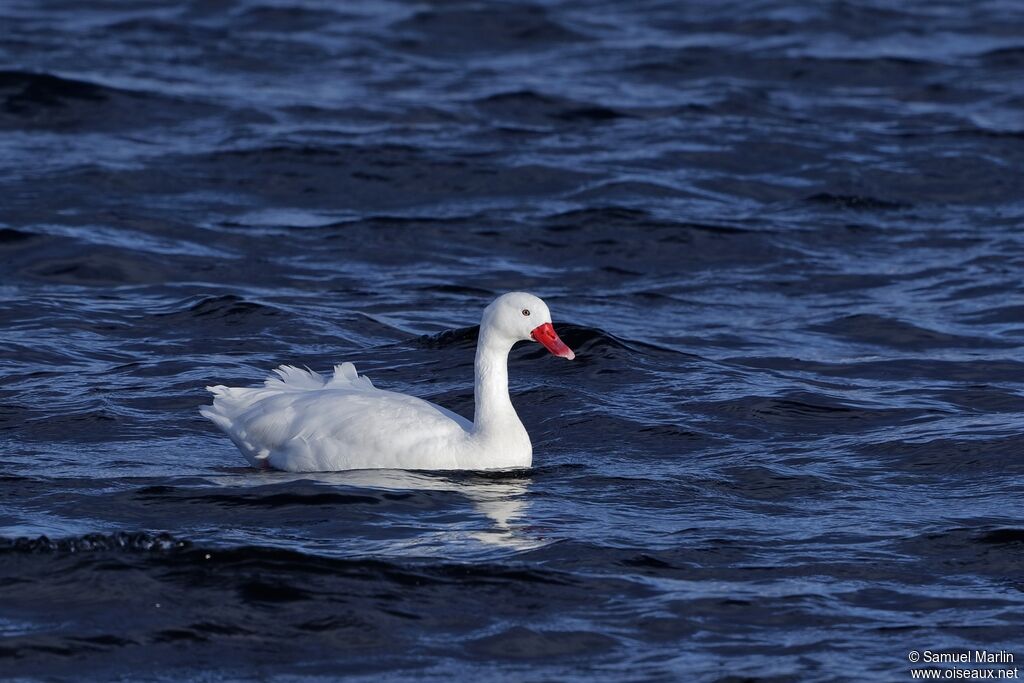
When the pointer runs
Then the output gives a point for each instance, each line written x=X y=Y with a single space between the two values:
x=241 y=413
x=291 y=377
x=345 y=375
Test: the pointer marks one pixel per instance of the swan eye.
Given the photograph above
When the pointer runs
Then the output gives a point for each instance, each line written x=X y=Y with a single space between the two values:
x=526 y=311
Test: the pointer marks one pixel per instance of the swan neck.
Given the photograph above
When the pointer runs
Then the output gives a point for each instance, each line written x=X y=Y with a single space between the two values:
x=493 y=406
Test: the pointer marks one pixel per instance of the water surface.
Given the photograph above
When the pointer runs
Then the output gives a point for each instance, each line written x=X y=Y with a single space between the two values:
x=783 y=238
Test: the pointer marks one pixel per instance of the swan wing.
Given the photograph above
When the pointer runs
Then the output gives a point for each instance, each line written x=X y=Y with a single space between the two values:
x=300 y=421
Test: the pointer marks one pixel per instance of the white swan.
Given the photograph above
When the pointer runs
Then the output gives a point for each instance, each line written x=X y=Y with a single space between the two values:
x=301 y=422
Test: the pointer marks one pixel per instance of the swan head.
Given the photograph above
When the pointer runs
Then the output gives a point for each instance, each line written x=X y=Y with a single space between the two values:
x=518 y=316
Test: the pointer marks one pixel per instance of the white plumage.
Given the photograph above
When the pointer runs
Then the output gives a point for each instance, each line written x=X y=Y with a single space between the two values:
x=300 y=421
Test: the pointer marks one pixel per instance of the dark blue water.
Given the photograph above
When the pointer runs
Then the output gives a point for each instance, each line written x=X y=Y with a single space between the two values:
x=784 y=239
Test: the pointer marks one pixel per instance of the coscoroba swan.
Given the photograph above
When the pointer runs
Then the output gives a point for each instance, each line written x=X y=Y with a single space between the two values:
x=300 y=421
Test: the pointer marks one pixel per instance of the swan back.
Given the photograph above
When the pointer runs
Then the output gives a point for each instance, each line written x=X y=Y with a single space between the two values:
x=301 y=421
